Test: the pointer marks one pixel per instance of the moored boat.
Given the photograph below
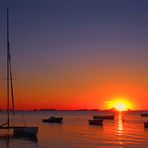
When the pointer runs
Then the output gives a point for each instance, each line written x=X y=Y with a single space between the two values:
x=26 y=131
x=144 y=115
x=95 y=122
x=146 y=124
x=53 y=120
x=107 y=117
x=22 y=131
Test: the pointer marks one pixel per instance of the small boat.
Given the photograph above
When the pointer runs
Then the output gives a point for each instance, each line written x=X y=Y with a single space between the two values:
x=144 y=115
x=22 y=131
x=26 y=131
x=53 y=120
x=146 y=124
x=17 y=130
x=95 y=122
x=110 y=117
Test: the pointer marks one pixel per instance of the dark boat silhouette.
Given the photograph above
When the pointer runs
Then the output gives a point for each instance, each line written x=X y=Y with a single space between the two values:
x=107 y=117
x=146 y=124
x=95 y=122
x=17 y=130
x=144 y=115
x=53 y=120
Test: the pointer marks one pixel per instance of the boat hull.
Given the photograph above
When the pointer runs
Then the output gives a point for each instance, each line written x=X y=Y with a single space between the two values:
x=104 y=117
x=145 y=124
x=144 y=115
x=25 y=131
x=53 y=120
x=95 y=122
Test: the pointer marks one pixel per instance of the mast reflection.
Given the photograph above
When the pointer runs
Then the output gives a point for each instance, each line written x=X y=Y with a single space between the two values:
x=8 y=137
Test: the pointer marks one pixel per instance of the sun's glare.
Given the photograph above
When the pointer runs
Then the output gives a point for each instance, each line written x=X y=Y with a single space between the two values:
x=119 y=104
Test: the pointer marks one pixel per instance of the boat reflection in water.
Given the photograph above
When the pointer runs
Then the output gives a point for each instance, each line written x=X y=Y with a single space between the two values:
x=98 y=122
x=6 y=139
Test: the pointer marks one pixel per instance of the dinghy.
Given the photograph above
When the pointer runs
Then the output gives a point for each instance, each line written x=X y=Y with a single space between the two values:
x=53 y=120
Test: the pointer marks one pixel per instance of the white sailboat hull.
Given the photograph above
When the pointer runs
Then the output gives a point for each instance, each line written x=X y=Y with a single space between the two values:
x=25 y=131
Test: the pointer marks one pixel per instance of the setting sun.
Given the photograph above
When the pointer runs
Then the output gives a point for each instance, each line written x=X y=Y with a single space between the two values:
x=119 y=104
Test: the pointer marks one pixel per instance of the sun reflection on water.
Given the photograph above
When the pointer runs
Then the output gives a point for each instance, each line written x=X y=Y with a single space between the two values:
x=120 y=124
x=120 y=128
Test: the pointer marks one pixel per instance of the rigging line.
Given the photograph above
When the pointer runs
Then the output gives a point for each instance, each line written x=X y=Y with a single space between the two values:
x=9 y=71
x=11 y=84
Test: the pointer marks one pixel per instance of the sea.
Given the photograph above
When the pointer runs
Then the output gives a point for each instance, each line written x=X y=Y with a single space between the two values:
x=125 y=131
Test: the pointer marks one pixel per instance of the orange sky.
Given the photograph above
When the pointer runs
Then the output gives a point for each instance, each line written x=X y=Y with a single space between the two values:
x=78 y=87
x=77 y=95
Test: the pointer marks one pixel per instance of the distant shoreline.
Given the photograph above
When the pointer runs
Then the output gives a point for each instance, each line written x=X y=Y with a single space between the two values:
x=83 y=110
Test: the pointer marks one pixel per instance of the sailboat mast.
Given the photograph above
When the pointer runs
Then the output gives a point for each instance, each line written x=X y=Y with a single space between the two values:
x=8 y=71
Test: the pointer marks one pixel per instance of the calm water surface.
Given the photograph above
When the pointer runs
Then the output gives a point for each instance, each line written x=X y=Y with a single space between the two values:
x=76 y=133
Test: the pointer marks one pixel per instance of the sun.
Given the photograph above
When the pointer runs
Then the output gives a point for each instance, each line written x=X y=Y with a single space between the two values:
x=119 y=104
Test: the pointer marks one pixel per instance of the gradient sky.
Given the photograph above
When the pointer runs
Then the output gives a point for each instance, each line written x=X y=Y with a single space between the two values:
x=76 y=54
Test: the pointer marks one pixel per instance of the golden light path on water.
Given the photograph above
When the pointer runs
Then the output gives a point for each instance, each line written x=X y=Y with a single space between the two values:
x=120 y=127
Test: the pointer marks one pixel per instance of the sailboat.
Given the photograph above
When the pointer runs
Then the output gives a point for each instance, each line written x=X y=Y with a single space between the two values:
x=17 y=130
